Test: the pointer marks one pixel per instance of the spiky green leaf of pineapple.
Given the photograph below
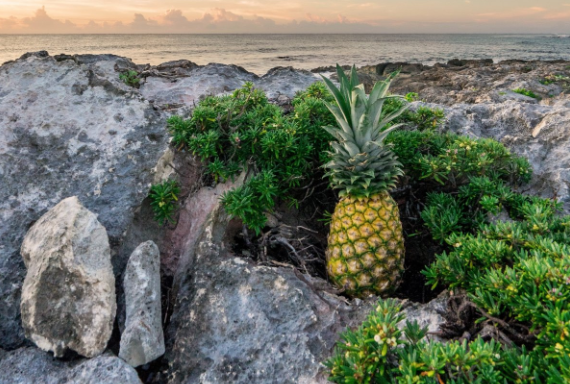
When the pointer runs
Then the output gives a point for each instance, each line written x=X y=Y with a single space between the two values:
x=365 y=251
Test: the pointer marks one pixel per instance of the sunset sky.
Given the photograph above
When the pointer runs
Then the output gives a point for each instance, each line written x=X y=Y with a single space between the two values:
x=278 y=16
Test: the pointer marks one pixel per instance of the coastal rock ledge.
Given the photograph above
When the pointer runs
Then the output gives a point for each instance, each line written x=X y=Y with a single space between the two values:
x=70 y=127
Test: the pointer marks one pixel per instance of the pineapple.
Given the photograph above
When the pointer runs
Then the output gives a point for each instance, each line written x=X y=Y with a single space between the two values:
x=365 y=252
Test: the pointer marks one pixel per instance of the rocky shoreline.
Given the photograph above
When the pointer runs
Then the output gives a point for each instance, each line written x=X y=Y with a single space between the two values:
x=70 y=127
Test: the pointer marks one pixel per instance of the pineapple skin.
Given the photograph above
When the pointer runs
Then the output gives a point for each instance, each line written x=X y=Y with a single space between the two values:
x=365 y=253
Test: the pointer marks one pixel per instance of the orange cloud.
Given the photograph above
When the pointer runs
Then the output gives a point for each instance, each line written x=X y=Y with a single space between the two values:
x=222 y=20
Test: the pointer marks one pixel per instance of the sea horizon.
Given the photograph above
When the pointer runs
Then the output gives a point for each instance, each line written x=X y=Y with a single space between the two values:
x=258 y=52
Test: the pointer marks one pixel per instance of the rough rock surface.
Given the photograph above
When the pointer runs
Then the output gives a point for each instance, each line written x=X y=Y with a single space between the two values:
x=235 y=322
x=475 y=81
x=32 y=366
x=539 y=132
x=68 y=128
x=68 y=297
x=142 y=340
x=478 y=98
x=213 y=79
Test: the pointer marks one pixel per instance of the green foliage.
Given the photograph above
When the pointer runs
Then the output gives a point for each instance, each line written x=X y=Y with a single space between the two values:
x=311 y=114
x=423 y=118
x=518 y=271
x=163 y=200
x=526 y=92
x=244 y=132
x=130 y=77
x=442 y=215
x=411 y=97
x=251 y=200
x=426 y=118
x=554 y=78
x=451 y=160
x=383 y=350
x=471 y=206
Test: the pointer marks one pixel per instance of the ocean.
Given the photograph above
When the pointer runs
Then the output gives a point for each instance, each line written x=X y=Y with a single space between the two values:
x=259 y=53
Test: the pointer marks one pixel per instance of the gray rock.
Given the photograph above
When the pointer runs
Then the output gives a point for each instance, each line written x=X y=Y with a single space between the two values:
x=32 y=366
x=69 y=128
x=539 y=132
x=428 y=315
x=68 y=297
x=142 y=341
x=285 y=81
x=214 y=79
x=211 y=79
x=235 y=322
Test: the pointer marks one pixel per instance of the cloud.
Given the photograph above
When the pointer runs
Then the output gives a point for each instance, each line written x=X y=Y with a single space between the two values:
x=39 y=23
x=221 y=20
x=217 y=20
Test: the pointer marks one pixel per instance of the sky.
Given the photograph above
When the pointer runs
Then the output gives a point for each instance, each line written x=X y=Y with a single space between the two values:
x=290 y=16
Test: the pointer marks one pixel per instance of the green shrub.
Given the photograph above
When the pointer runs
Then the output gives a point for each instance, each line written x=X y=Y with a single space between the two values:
x=411 y=97
x=451 y=160
x=131 y=78
x=244 y=132
x=423 y=118
x=163 y=201
x=383 y=350
x=554 y=78
x=526 y=92
x=426 y=118
x=519 y=272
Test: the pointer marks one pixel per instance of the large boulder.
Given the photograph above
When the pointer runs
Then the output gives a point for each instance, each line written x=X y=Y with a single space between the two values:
x=32 y=366
x=142 y=340
x=69 y=128
x=68 y=297
x=236 y=322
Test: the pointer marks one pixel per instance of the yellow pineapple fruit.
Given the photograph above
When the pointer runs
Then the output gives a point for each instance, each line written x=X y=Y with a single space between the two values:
x=365 y=253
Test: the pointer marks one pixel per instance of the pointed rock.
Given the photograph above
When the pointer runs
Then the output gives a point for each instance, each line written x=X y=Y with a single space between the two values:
x=142 y=340
x=68 y=297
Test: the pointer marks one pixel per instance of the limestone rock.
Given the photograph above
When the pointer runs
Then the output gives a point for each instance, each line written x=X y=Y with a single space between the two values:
x=142 y=341
x=539 y=132
x=69 y=128
x=214 y=79
x=211 y=79
x=285 y=81
x=235 y=322
x=32 y=366
x=68 y=297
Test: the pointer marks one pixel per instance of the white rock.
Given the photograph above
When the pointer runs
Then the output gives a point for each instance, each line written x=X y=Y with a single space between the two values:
x=68 y=296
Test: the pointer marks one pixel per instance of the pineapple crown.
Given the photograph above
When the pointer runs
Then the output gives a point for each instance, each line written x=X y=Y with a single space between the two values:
x=361 y=164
